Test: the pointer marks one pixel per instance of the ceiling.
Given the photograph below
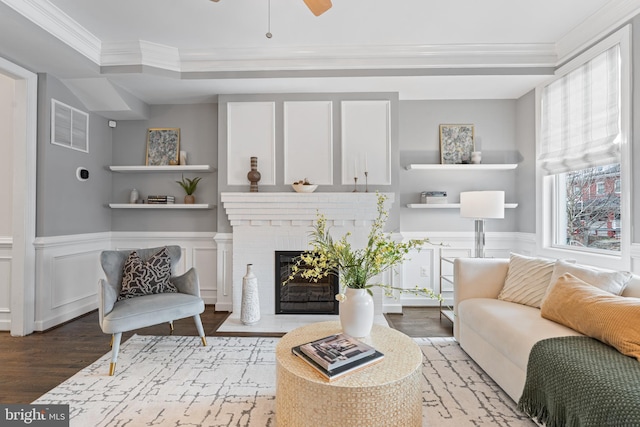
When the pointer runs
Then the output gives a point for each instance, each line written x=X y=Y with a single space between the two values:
x=120 y=55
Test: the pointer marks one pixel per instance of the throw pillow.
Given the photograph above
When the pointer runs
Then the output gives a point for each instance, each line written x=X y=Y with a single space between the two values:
x=527 y=280
x=607 y=280
x=146 y=277
x=596 y=313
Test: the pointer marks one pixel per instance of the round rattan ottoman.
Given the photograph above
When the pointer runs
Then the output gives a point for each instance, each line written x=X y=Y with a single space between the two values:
x=383 y=394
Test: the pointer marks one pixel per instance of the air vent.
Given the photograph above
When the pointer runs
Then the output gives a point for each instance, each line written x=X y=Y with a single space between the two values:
x=69 y=127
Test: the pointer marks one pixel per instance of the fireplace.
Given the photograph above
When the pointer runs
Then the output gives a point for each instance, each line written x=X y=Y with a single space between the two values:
x=301 y=296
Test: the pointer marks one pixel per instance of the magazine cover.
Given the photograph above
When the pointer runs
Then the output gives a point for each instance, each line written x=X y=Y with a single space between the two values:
x=352 y=366
x=336 y=350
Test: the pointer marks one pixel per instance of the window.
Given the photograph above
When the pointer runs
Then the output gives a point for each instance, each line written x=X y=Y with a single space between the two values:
x=583 y=123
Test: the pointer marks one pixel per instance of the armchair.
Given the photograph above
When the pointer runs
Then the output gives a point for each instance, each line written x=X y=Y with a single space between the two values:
x=118 y=316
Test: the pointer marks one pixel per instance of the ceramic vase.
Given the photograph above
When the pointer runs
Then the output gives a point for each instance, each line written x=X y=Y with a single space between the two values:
x=356 y=313
x=189 y=199
x=254 y=176
x=250 y=308
x=133 y=197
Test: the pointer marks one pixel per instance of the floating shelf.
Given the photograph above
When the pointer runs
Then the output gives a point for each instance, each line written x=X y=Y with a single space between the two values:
x=159 y=206
x=176 y=168
x=449 y=205
x=468 y=167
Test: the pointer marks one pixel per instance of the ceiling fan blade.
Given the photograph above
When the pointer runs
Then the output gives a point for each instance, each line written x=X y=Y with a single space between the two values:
x=318 y=7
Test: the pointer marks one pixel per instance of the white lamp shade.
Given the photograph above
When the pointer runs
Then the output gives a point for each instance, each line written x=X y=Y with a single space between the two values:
x=482 y=204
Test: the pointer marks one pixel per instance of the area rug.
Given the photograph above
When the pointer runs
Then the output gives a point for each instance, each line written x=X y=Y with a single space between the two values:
x=174 y=381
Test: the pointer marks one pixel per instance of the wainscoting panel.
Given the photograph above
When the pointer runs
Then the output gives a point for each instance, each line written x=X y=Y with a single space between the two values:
x=67 y=273
x=5 y=293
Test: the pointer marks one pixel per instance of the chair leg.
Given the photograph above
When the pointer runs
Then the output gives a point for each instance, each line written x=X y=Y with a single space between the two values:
x=200 y=329
x=171 y=328
x=115 y=348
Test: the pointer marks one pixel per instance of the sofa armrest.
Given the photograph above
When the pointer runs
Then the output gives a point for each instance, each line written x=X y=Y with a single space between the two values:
x=187 y=283
x=478 y=278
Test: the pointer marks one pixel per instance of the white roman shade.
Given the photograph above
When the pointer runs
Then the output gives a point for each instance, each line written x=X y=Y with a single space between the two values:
x=580 y=122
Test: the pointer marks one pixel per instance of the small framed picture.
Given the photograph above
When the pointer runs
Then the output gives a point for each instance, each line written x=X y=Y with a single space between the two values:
x=163 y=146
x=456 y=144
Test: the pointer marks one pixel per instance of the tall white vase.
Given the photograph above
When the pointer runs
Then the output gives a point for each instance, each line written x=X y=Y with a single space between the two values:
x=356 y=313
x=250 y=308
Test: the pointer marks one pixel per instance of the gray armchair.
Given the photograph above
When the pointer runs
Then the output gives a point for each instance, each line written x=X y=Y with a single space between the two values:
x=118 y=316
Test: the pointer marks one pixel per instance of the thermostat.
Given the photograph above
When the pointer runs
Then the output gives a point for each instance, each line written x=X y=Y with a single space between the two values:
x=82 y=174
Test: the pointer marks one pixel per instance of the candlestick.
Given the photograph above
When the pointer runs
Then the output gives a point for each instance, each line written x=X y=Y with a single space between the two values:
x=366 y=164
x=355 y=184
x=366 y=181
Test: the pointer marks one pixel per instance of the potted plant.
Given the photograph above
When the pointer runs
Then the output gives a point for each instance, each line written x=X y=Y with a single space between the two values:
x=189 y=186
x=356 y=268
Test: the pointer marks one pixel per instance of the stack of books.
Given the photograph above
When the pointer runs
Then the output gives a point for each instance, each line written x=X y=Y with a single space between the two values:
x=337 y=354
x=161 y=200
x=433 y=197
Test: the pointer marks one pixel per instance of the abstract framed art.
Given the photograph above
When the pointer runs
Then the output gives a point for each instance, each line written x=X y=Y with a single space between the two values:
x=163 y=146
x=456 y=143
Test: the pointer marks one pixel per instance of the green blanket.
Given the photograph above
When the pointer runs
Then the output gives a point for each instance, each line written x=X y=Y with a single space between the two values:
x=579 y=381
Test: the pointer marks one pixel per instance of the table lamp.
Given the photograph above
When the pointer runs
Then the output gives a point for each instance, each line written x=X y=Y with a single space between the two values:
x=481 y=205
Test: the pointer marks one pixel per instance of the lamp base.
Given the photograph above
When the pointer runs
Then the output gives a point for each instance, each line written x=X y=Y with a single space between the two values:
x=479 y=244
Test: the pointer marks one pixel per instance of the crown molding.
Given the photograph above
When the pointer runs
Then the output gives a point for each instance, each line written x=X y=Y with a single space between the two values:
x=597 y=26
x=57 y=23
x=328 y=57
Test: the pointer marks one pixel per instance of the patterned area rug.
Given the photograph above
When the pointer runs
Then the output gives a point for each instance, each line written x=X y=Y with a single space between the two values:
x=174 y=381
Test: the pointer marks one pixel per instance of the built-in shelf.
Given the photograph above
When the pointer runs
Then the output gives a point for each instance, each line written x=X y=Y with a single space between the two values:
x=152 y=206
x=176 y=168
x=449 y=205
x=467 y=167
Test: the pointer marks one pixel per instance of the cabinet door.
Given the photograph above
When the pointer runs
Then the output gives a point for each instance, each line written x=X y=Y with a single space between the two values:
x=308 y=142
x=366 y=141
x=251 y=133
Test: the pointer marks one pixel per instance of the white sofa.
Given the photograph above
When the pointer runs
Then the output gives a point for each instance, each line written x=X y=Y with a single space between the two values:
x=498 y=334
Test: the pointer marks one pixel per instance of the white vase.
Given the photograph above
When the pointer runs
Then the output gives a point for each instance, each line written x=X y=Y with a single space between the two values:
x=250 y=308
x=133 y=196
x=356 y=313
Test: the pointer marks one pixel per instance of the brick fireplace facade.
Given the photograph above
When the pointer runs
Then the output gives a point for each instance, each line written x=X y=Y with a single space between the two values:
x=267 y=222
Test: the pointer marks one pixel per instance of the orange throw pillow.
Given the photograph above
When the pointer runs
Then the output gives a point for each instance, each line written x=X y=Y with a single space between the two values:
x=612 y=319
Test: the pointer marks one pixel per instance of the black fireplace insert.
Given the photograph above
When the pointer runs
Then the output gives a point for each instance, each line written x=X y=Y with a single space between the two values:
x=301 y=296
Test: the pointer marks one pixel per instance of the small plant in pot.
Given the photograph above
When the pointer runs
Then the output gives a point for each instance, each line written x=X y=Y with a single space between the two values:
x=189 y=186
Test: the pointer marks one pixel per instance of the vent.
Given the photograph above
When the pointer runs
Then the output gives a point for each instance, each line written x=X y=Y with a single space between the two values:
x=69 y=127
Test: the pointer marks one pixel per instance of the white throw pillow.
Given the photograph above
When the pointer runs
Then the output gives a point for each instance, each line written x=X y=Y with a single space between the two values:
x=527 y=280
x=607 y=280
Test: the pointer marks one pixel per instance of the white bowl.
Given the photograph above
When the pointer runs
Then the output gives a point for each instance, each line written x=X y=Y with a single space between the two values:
x=302 y=188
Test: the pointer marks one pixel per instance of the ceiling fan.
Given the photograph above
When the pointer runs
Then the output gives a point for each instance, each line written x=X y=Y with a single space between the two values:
x=317 y=7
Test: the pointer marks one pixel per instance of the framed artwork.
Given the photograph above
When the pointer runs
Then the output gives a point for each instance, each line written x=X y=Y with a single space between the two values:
x=456 y=144
x=163 y=146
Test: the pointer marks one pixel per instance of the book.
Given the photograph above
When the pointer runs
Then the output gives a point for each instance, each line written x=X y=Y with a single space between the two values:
x=336 y=350
x=342 y=370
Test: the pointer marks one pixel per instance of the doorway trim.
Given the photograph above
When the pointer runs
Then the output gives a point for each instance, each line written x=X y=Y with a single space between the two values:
x=25 y=120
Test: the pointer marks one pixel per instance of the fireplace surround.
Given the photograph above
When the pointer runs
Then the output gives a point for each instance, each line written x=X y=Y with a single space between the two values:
x=263 y=223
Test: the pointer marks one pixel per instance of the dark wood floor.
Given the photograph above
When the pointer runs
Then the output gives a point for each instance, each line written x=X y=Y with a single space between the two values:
x=32 y=365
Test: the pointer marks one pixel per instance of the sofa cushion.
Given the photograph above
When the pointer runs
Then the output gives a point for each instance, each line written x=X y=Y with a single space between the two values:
x=527 y=280
x=512 y=329
x=596 y=313
x=608 y=280
x=148 y=277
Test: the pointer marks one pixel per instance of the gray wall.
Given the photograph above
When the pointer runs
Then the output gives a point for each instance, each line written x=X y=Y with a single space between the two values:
x=198 y=137
x=495 y=136
x=635 y=131
x=64 y=204
x=525 y=194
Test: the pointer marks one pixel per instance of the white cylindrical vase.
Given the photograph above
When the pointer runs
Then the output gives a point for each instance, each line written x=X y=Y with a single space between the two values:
x=250 y=308
x=356 y=313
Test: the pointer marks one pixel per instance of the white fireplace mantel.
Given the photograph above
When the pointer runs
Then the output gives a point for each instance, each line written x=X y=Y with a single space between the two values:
x=263 y=223
x=277 y=209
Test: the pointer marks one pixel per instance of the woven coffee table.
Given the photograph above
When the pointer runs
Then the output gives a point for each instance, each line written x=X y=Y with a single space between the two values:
x=383 y=394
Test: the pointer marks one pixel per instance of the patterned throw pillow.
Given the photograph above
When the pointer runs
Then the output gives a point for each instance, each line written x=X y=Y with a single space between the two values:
x=527 y=280
x=146 y=277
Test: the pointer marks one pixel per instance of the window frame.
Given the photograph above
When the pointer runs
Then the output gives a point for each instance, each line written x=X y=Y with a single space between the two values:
x=546 y=197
